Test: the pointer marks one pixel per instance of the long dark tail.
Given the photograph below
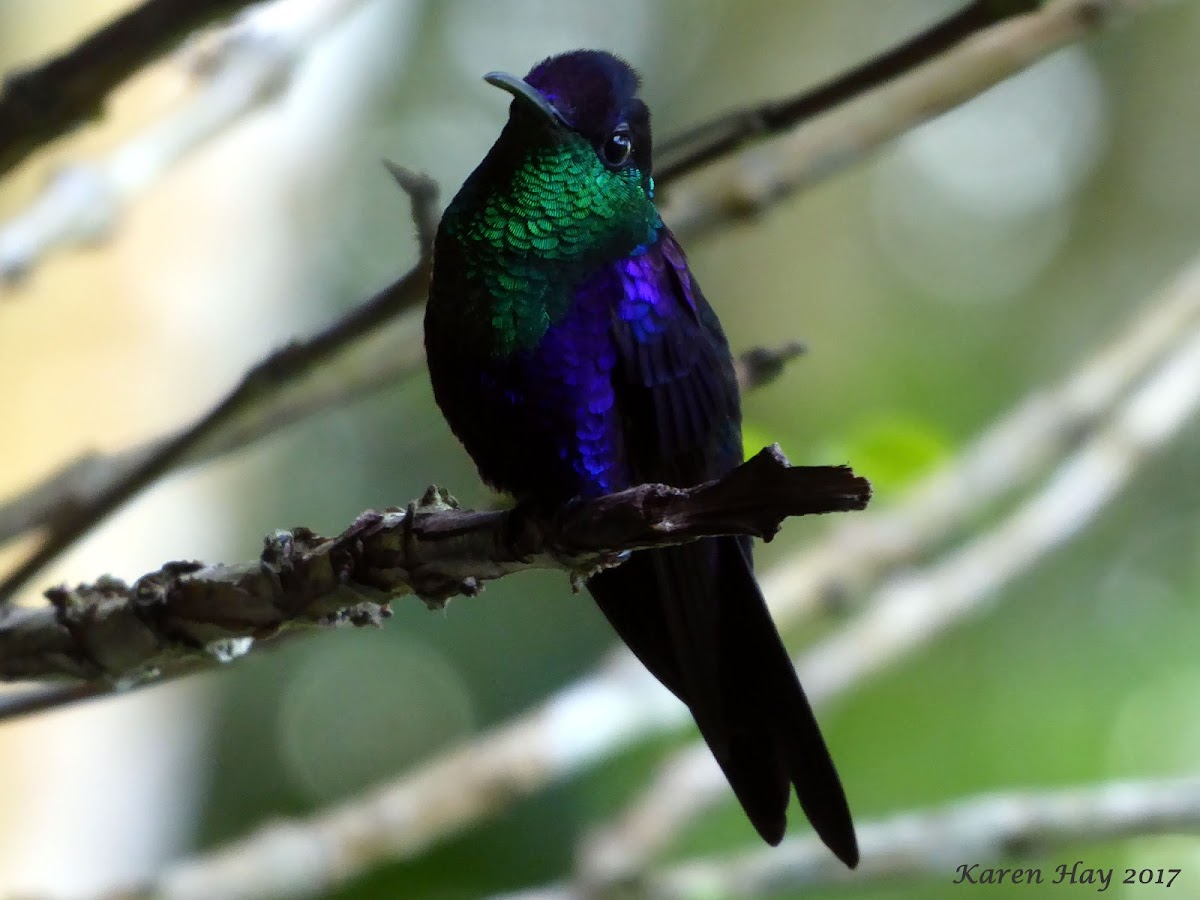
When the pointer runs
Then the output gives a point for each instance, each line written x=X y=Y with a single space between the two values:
x=695 y=617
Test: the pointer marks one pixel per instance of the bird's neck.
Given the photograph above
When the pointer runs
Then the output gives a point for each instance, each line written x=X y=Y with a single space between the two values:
x=529 y=226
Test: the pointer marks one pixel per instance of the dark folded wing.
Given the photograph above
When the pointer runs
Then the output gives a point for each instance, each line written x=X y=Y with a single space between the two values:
x=675 y=379
x=678 y=400
x=694 y=614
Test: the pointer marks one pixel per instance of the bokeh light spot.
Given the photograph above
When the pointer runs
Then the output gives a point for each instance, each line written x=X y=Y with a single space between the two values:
x=361 y=708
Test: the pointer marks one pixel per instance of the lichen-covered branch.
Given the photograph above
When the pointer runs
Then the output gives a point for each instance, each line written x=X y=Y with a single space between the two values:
x=288 y=365
x=185 y=612
x=619 y=703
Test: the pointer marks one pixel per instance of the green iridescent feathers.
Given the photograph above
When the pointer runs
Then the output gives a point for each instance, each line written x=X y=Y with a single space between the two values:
x=525 y=234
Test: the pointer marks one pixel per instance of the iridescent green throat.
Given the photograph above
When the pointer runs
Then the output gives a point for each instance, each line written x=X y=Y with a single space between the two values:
x=528 y=234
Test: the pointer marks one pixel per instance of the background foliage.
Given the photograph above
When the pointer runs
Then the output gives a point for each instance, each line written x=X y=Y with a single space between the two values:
x=969 y=262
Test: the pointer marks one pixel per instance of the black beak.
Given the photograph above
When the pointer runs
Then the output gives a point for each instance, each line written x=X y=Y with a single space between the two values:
x=530 y=97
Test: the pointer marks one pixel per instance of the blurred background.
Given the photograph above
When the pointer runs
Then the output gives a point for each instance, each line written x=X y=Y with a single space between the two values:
x=967 y=263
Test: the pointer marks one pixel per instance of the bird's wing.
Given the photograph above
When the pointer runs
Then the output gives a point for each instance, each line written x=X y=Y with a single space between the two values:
x=675 y=380
x=693 y=614
x=678 y=405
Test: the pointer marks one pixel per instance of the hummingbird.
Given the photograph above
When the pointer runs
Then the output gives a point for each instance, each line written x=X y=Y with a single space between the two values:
x=573 y=354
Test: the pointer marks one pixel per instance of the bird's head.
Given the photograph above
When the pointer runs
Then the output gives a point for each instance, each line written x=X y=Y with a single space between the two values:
x=584 y=97
x=575 y=155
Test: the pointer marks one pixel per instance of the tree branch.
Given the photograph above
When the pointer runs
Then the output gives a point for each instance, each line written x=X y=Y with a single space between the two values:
x=744 y=185
x=990 y=56
x=378 y=365
x=723 y=135
x=84 y=200
x=186 y=611
x=1018 y=447
x=249 y=64
x=40 y=104
x=959 y=842
x=620 y=703
x=916 y=607
x=287 y=365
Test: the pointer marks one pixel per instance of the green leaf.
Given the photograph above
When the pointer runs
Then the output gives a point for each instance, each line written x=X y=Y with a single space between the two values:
x=893 y=451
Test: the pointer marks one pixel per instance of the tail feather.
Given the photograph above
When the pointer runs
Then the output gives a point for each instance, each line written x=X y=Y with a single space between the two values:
x=696 y=619
x=760 y=780
x=782 y=718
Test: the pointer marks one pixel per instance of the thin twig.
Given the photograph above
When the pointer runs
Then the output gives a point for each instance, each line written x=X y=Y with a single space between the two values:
x=762 y=365
x=971 y=842
x=285 y=365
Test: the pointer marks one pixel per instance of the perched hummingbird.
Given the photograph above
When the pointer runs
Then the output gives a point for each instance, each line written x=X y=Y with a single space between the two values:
x=573 y=354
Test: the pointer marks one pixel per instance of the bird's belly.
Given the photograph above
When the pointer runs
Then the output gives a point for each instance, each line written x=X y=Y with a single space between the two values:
x=554 y=430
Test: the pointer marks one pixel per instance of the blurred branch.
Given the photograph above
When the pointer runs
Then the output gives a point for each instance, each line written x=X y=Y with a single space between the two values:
x=185 y=612
x=914 y=608
x=252 y=63
x=575 y=728
x=83 y=485
x=99 y=484
x=723 y=135
x=744 y=185
x=287 y=365
x=959 y=842
x=389 y=357
x=248 y=65
x=27 y=701
x=255 y=58
x=762 y=365
x=40 y=104
x=620 y=703
x=1014 y=450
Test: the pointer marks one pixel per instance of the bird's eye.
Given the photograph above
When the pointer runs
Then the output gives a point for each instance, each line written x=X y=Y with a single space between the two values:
x=618 y=147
